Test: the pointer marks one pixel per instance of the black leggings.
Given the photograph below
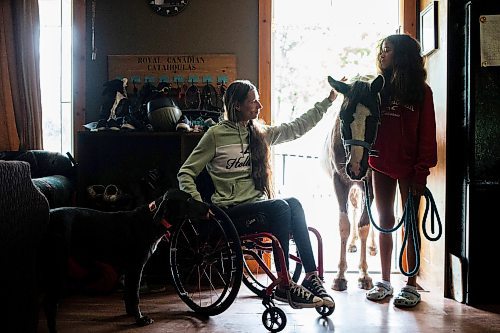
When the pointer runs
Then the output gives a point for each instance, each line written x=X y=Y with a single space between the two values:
x=281 y=217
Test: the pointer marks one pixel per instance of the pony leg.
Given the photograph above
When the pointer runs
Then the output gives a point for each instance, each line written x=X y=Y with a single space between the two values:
x=354 y=207
x=372 y=246
x=364 y=280
x=340 y=282
x=354 y=230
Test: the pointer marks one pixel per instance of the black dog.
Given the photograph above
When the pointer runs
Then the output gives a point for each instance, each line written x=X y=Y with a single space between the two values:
x=123 y=239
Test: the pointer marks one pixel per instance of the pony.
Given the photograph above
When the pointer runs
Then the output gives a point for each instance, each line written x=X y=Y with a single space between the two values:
x=345 y=159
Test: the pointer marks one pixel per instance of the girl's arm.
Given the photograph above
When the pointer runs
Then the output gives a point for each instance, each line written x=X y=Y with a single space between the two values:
x=301 y=125
x=427 y=146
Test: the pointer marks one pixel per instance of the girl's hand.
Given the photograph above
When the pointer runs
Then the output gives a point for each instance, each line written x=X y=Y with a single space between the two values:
x=417 y=190
x=209 y=215
x=333 y=95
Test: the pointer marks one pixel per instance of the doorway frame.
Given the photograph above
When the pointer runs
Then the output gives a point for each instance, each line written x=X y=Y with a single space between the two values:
x=407 y=16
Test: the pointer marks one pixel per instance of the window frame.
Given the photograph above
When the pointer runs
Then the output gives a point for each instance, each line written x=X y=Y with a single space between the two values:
x=79 y=60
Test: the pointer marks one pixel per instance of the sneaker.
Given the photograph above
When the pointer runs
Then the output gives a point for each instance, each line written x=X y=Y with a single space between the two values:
x=299 y=297
x=379 y=292
x=183 y=125
x=315 y=286
x=408 y=297
x=101 y=125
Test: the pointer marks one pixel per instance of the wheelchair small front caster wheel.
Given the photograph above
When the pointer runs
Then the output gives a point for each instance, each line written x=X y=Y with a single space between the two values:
x=325 y=311
x=274 y=319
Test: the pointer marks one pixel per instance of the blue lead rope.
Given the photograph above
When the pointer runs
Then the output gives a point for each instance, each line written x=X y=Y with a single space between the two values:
x=410 y=222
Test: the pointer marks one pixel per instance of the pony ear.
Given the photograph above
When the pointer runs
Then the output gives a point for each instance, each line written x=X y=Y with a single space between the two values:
x=340 y=86
x=377 y=84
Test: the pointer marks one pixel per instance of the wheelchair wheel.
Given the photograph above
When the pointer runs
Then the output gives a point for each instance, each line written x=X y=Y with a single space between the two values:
x=325 y=311
x=257 y=283
x=206 y=263
x=274 y=319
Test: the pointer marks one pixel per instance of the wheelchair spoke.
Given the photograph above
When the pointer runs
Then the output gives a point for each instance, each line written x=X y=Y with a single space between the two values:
x=201 y=292
x=212 y=289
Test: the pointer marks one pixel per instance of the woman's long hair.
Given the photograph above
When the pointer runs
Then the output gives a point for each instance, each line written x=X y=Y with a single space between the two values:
x=405 y=80
x=260 y=151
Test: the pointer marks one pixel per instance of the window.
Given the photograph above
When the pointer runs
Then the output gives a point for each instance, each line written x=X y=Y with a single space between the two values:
x=55 y=74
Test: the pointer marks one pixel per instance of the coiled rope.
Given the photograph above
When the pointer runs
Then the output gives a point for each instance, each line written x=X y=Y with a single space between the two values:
x=410 y=225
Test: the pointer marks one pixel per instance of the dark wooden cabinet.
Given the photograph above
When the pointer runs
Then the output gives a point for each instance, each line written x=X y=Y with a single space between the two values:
x=142 y=165
x=133 y=162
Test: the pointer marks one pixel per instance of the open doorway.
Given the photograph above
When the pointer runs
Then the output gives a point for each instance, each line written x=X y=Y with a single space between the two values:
x=309 y=42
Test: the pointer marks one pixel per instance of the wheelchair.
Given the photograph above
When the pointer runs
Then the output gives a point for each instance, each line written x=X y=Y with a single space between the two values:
x=208 y=262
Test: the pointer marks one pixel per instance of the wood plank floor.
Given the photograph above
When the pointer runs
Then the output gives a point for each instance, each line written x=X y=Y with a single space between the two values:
x=353 y=314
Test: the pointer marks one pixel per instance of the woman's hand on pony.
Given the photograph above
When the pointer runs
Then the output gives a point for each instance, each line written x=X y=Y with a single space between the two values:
x=333 y=95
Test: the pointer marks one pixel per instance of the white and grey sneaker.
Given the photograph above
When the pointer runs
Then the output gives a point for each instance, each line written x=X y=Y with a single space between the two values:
x=299 y=297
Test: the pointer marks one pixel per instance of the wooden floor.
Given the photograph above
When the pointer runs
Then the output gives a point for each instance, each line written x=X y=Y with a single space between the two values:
x=353 y=314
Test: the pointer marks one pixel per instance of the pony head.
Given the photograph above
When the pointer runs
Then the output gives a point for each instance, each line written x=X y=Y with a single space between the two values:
x=359 y=120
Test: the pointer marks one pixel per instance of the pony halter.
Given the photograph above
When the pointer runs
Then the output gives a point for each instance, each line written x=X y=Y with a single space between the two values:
x=364 y=144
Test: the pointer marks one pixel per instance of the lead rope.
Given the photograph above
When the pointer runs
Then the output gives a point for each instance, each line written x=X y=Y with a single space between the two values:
x=410 y=223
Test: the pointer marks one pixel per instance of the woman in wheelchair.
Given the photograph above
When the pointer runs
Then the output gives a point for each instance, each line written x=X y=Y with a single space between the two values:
x=236 y=154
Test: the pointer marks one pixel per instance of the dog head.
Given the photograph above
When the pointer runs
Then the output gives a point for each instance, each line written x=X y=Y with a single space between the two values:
x=176 y=205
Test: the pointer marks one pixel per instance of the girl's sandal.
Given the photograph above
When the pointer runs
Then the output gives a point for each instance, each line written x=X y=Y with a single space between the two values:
x=407 y=298
x=379 y=292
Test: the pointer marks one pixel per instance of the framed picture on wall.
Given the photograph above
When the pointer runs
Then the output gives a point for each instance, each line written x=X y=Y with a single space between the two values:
x=429 y=28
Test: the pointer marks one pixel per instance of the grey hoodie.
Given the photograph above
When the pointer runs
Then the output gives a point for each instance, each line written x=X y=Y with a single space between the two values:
x=224 y=151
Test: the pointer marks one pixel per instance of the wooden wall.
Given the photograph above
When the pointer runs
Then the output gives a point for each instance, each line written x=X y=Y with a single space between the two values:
x=432 y=272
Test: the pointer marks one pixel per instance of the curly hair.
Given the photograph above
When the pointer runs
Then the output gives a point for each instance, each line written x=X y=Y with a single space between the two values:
x=405 y=80
x=260 y=151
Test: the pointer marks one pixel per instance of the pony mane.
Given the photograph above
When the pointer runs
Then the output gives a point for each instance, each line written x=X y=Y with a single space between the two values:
x=363 y=78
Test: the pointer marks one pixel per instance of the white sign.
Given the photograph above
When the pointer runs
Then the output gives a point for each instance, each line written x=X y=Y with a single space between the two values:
x=489 y=34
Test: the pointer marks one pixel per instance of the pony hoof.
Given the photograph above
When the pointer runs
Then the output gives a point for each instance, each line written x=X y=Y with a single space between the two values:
x=365 y=283
x=352 y=249
x=373 y=251
x=339 y=284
